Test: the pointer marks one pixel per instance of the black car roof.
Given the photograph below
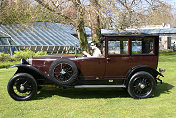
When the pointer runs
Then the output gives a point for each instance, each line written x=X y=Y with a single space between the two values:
x=130 y=35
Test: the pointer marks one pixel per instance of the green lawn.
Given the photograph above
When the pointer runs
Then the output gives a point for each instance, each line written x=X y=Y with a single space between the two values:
x=87 y=103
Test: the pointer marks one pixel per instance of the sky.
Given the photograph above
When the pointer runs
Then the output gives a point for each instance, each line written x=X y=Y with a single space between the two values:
x=172 y=2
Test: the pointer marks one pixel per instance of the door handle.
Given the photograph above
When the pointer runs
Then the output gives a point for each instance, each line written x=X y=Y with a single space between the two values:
x=108 y=60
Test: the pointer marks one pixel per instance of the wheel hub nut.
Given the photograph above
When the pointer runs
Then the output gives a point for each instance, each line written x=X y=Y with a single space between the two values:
x=142 y=86
x=62 y=71
x=22 y=87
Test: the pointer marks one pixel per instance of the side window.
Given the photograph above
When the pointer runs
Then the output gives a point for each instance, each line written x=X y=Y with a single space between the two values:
x=142 y=46
x=118 y=47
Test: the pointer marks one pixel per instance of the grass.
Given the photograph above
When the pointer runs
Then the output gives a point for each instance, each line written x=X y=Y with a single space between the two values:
x=92 y=103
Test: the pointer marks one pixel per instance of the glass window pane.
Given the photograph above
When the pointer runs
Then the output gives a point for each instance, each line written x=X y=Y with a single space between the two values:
x=4 y=41
x=142 y=46
x=24 y=42
x=4 y=49
x=48 y=43
x=0 y=41
x=119 y=46
x=42 y=42
x=36 y=42
x=11 y=42
x=136 y=47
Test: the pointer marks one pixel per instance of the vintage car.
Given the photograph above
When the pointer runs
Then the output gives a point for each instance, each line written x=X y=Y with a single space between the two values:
x=128 y=61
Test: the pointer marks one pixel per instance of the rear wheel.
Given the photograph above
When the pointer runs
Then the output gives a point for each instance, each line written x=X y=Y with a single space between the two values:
x=141 y=85
x=22 y=86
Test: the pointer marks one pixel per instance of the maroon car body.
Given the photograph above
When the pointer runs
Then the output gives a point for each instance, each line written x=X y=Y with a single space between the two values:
x=110 y=66
x=124 y=56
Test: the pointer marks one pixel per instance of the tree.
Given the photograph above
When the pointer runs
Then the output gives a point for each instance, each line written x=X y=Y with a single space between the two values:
x=78 y=21
x=95 y=20
x=135 y=13
x=159 y=13
x=13 y=12
x=80 y=25
x=24 y=11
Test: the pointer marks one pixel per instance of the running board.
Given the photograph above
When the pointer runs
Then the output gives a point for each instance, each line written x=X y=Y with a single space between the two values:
x=99 y=86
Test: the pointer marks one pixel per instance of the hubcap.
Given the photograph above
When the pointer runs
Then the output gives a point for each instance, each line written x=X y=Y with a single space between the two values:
x=62 y=72
x=142 y=86
x=21 y=87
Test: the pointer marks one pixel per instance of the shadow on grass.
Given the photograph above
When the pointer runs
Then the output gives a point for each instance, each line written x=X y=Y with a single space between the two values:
x=88 y=93
x=163 y=89
x=83 y=93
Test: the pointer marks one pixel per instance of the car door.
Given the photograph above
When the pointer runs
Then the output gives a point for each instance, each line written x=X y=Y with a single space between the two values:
x=92 y=68
x=118 y=58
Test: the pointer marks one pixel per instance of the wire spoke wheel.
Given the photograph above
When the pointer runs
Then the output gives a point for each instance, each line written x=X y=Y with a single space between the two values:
x=141 y=85
x=22 y=86
x=63 y=72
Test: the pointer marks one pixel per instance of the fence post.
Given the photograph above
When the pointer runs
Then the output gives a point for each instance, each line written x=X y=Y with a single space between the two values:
x=75 y=49
x=53 y=49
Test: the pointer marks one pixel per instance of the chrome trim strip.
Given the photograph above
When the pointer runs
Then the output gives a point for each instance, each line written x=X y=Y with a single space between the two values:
x=99 y=86
x=44 y=59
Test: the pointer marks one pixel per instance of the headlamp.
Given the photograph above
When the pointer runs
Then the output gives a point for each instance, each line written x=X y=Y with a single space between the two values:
x=23 y=61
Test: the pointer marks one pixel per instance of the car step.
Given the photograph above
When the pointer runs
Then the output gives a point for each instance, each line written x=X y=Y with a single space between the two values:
x=99 y=86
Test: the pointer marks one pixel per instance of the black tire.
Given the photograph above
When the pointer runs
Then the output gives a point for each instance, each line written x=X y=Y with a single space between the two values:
x=63 y=72
x=141 y=85
x=22 y=87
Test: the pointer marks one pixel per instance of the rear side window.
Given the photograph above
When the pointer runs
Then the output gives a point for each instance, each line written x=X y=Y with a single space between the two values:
x=142 y=46
x=119 y=46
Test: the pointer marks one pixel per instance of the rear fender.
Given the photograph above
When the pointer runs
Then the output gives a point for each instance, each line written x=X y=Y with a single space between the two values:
x=25 y=68
x=145 y=68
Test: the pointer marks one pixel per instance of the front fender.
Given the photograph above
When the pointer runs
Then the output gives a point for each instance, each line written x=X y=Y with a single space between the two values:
x=26 y=68
x=18 y=65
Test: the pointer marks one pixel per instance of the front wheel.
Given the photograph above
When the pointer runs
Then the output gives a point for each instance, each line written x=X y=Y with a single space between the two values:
x=141 y=85
x=22 y=86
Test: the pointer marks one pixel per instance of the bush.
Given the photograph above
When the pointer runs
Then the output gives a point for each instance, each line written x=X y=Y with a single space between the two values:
x=18 y=55
x=7 y=60
x=22 y=54
x=5 y=57
x=167 y=52
x=27 y=54
x=8 y=63
x=40 y=53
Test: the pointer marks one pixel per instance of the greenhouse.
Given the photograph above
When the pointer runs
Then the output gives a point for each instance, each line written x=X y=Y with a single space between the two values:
x=51 y=37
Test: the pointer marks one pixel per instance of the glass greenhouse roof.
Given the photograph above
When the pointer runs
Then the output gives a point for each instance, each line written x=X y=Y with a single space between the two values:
x=2 y=34
x=40 y=33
